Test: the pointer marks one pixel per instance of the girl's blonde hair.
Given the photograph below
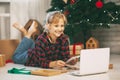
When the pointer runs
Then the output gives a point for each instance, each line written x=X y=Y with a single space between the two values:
x=53 y=17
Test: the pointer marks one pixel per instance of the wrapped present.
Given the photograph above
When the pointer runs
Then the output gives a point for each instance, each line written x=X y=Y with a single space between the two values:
x=8 y=47
x=75 y=49
x=2 y=60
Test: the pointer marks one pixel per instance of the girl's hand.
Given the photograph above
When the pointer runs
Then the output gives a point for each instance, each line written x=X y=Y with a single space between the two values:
x=73 y=62
x=58 y=63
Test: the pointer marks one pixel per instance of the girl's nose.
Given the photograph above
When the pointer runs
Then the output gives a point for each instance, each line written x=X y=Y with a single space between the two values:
x=61 y=28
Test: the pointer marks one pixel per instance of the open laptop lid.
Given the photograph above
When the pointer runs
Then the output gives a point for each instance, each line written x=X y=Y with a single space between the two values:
x=94 y=61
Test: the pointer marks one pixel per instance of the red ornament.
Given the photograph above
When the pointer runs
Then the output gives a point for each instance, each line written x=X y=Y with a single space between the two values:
x=99 y=4
x=72 y=1
x=66 y=12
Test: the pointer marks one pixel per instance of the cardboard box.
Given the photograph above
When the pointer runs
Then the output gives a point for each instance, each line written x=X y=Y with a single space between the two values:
x=77 y=52
x=75 y=49
x=2 y=60
x=8 y=47
x=47 y=72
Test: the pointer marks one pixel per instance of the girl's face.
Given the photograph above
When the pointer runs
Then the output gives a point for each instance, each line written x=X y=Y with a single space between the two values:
x=56 y=29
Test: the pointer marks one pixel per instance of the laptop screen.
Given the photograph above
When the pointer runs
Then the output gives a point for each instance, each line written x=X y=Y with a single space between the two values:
x=94 y=60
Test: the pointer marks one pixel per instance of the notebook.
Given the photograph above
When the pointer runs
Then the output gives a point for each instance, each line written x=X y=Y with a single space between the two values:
x=93 y=61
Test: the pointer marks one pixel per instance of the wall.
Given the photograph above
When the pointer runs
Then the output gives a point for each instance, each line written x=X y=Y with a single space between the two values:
x=109 y=38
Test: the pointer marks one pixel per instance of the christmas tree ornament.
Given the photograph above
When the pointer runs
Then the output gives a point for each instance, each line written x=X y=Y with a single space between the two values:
x=66 y=12
x=72 y=1
x=99 y=4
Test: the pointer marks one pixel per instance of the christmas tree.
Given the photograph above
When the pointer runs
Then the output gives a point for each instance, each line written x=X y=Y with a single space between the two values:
x=86 y=15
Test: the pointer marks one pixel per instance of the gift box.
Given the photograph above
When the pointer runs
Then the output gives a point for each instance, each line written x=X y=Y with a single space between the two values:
x=2 y=60
x=7 y=47
x=75 y=49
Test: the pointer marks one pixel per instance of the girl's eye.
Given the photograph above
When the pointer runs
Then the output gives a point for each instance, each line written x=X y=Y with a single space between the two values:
x=62 y=25
x=56 y=25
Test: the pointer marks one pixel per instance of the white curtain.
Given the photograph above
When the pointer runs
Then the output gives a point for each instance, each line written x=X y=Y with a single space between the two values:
x=23 y=10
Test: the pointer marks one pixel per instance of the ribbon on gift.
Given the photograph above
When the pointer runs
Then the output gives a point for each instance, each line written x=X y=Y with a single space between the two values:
x=74 y=47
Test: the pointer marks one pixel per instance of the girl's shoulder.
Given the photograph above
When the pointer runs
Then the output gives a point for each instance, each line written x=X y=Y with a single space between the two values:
x=64 y=36
x=42 y=36
x=42 y=39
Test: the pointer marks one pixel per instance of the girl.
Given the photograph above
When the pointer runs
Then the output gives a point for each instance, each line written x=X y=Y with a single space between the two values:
x=51 y=49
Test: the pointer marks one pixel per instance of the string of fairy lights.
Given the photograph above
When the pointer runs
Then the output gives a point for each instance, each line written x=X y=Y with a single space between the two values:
x=110 y=14
x=113 y=15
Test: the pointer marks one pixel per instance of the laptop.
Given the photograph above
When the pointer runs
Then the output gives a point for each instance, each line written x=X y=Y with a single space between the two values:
x=93 y=61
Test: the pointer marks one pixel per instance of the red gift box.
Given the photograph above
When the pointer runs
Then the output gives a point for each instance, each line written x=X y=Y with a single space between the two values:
x=75 y=49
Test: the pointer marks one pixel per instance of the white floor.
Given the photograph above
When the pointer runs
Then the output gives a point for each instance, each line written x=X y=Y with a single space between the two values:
x=113 y=74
